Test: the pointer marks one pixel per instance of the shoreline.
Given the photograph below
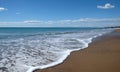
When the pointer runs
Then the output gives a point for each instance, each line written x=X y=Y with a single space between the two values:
x=102 y=55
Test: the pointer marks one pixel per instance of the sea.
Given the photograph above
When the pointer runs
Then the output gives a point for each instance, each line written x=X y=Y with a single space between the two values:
x=25 y=49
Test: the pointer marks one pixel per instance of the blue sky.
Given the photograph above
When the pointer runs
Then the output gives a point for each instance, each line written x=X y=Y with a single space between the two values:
x=59 y=12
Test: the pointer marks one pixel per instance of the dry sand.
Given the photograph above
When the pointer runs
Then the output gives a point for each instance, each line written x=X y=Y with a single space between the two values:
x=102 y=55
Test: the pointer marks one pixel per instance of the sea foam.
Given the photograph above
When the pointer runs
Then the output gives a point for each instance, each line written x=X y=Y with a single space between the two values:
x=26 y=53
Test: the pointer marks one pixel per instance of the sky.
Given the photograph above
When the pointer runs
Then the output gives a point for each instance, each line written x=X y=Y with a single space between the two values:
x=59 y=13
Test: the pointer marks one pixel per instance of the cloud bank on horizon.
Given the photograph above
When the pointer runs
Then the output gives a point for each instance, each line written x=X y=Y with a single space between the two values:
x=82 y=22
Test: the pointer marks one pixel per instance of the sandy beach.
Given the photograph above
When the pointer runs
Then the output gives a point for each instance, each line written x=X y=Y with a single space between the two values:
x=102 y=55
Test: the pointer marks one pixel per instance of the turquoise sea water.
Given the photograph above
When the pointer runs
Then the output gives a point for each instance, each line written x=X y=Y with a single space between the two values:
x=27 y=49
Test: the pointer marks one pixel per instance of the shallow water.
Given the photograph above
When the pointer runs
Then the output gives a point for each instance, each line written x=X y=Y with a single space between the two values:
x=27 y=49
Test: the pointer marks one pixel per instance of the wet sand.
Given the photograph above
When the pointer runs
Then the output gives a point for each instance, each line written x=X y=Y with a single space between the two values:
x=102 y=55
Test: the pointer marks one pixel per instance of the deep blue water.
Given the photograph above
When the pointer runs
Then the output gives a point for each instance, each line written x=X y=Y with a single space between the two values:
x=13 y=32
x=38 y=29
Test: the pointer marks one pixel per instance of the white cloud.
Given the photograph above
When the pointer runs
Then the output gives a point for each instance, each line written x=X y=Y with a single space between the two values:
x=66 y=21
x=39 y=22
x=32 y=21
x=106 y=6
x=99 y=19
x=87 y=22
x=3 y=9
